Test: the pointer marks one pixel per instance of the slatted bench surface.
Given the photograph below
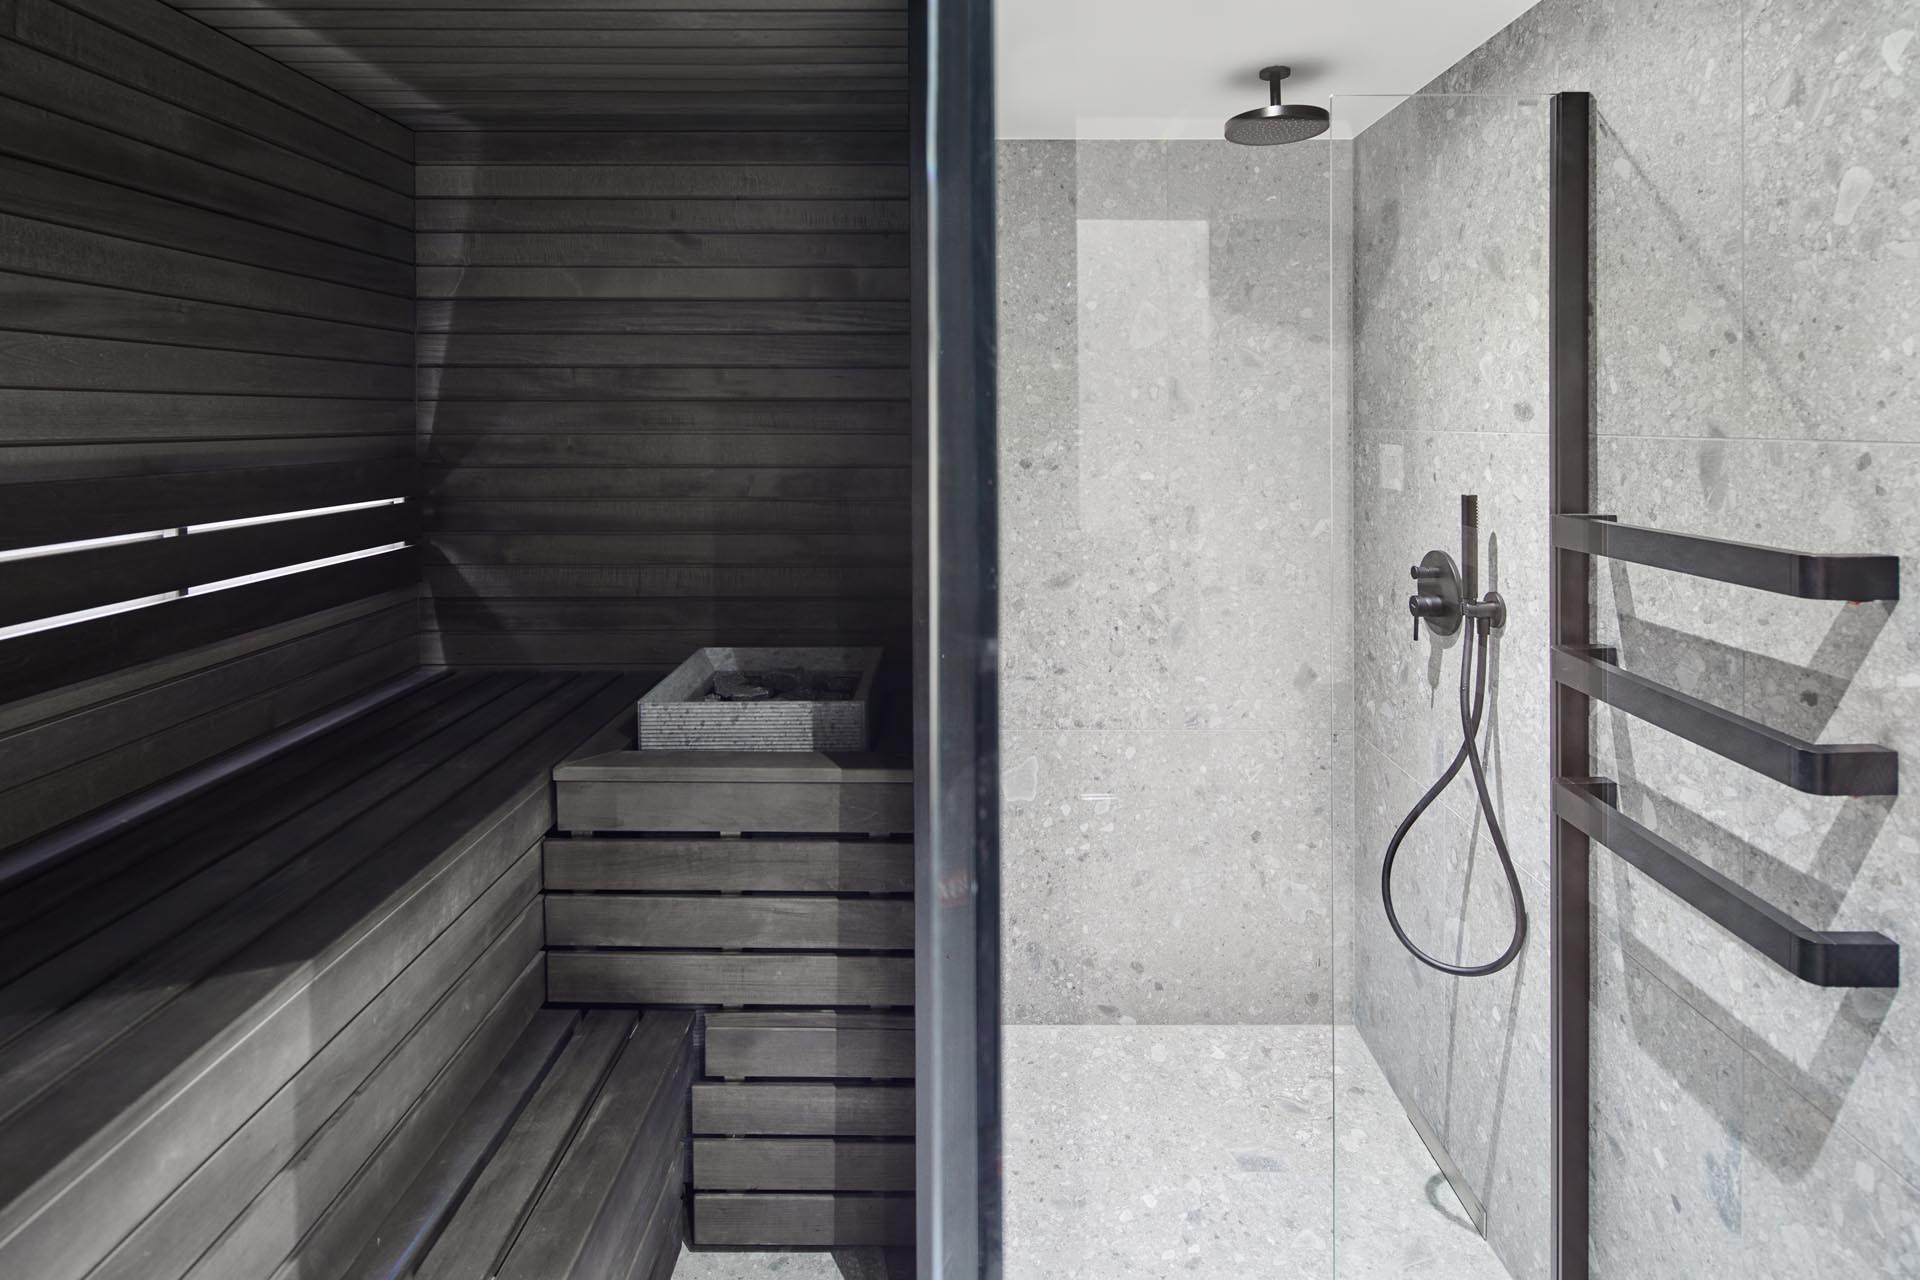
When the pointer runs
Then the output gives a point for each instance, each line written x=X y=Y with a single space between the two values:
x=228 y=1034
x=570 y=1167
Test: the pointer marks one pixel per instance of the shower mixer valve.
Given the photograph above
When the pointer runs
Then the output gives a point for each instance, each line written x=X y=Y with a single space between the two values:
x=1443 y=593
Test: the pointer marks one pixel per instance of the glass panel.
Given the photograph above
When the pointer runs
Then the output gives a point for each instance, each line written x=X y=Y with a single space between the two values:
x=1170 y=597
x=1242 y=389
x=1439 y=231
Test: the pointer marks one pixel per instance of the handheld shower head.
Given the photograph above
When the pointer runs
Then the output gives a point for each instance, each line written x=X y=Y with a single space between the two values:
x=1277 y=123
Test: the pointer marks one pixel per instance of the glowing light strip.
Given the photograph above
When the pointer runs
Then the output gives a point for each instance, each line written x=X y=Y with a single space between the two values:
x=152 y=535
x=228 y=584
x=279 y=516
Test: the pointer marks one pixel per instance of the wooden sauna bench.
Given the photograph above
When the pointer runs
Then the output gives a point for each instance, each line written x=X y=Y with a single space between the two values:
x=292 y=1026
x=773 y=891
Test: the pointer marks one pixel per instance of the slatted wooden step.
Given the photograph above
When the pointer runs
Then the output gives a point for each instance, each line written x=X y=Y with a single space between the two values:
x=857 y=1137
x=582 y=1178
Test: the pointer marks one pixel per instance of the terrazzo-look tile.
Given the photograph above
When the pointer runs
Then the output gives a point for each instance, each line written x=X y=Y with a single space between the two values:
x=1165 y=550
x=1167 y=1152
x=1164 y=877
x=1667 y=212
x=1394 y=1213
x=1864 y=1219
x=1450 y=304
x=1470 y=1054
x=1406 y=695
x=1833 y=219
x=1218 y=1151
x=1829 y=672
x=714 y=1265
x=1667 y=1121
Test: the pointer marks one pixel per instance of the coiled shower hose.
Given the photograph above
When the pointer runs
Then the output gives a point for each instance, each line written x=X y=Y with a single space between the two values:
x=1469 y=753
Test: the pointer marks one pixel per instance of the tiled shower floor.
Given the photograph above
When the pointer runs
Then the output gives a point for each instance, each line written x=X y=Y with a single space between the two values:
x=1204 y=1153
x=1208 y=1152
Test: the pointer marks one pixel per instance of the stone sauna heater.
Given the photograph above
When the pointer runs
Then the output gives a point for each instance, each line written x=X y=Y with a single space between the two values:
x=774 y=699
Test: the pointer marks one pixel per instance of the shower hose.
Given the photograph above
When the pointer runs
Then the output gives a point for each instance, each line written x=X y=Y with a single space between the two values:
x=1471 y=709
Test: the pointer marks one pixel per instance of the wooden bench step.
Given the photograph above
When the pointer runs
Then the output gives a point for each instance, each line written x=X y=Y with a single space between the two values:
x=808 y=1044
x=145 y=1087
x=803 y=1110
x=697 y=978
x=801 y=1164
x=738 y=923
x=585 y=1182
x=800 y=1221
x=670 y=865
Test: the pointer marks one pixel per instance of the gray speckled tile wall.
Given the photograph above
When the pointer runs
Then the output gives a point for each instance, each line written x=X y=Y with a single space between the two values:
x=1168 y=573
x=1757 y=306
x=1449 y=380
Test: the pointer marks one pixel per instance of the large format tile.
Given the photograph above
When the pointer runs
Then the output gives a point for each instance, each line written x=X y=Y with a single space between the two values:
x=1168 y=1152
x=1817 y=1202
x=1165 y=877
x=1667 y=1123
x=1406 y=501
x=1173 y=1151
x=1828 y=672
x=1394 y=1213
x=1667 y=185
x=1832 y=248
x=1470 y=1054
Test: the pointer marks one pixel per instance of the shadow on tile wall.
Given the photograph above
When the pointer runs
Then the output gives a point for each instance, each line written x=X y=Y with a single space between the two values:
x=1757 y=308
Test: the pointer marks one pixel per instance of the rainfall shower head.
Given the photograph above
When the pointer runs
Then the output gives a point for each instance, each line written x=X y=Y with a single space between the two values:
x=1275 y=123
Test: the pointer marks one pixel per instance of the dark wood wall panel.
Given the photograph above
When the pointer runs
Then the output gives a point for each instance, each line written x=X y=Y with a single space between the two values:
x=206 y=311
x=663 y=364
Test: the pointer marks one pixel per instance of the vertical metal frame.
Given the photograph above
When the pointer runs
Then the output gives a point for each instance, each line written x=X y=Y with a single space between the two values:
x=1569 y=491
x=956 y=645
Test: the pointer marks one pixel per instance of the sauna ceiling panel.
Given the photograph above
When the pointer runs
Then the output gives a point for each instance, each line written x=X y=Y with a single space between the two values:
x=571 y=64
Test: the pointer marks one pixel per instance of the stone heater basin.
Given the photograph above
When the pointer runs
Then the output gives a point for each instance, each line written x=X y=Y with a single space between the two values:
x=765 y=699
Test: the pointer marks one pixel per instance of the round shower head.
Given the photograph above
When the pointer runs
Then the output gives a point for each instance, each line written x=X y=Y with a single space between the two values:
x=1277 y=123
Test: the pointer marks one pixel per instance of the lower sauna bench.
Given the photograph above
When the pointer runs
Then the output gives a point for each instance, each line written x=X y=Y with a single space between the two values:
x=290 y=1027
x=819 y=1155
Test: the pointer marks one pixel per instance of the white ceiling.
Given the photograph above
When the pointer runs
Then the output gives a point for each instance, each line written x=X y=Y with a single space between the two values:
x=1179 y=68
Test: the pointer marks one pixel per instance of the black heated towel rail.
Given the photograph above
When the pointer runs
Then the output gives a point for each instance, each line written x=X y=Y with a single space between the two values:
x=1818 y=768
x=1821 y=958
x=1788 y=573
x=1590 y=805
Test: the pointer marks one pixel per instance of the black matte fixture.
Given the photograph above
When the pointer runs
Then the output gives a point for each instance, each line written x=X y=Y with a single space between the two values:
x=1446 y=597
x=1277 y=123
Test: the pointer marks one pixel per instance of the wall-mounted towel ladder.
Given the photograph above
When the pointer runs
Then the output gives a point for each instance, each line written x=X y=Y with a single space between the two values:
x=1826 y=959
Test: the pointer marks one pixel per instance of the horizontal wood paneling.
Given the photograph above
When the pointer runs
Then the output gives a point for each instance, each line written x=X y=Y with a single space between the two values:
x=879 y=1111
x=641 y=354
x=801 y=1164
x=802 y=1221
x=809 y=1044
x=660 y=865
x=206 y=294
x=46 y=586
x=789 y=66
x=609 y=800
x=666 y=977
x=756 y=923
